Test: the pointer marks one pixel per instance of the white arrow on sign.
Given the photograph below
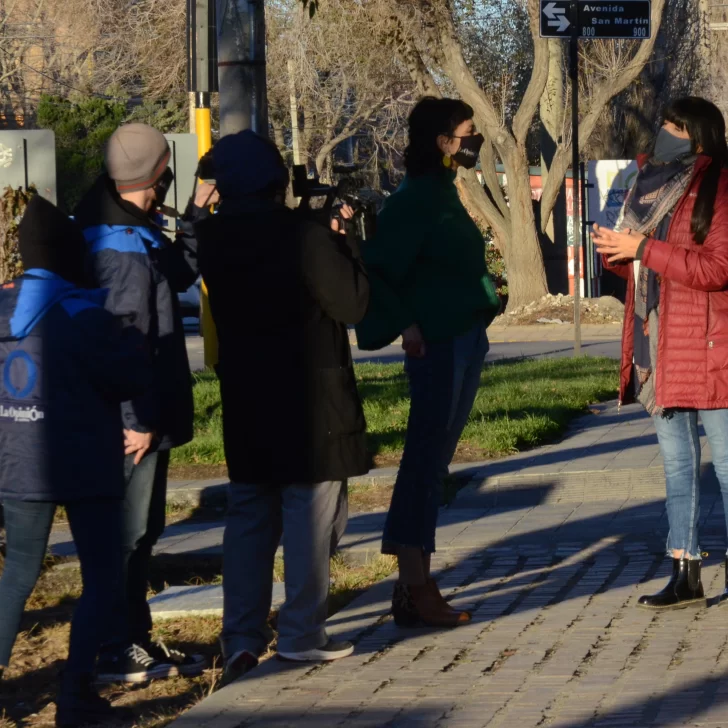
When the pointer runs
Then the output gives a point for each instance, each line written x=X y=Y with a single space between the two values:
x=557 y=17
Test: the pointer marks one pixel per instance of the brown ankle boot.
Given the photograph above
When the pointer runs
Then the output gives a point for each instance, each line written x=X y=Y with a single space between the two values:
x=416 y=605
x=432 y=584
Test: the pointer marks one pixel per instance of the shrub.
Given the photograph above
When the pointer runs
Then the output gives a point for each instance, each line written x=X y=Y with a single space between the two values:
x=82 y=128
x=12 y=207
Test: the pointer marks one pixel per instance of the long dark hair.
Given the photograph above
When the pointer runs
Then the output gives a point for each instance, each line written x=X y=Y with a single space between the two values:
x=705 y=124
x=430 y=118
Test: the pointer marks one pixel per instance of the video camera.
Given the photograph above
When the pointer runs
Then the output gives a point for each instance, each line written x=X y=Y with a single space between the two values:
x=351 y=191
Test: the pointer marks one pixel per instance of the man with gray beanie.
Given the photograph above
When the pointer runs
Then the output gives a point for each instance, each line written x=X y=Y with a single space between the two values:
x=143 y=271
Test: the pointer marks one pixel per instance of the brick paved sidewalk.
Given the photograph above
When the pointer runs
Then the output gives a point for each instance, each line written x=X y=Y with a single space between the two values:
x=556 y=638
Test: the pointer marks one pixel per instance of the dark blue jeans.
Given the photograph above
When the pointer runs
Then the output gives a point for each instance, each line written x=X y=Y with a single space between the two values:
x=96 y=530
x=443 y=386
x=144 y=516
x=680 y=447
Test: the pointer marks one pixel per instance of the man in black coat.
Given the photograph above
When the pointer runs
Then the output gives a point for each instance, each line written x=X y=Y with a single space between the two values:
x=282 y=290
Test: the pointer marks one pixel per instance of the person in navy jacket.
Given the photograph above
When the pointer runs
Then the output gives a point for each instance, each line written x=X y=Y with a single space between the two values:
x=144 y=270
x=65 y=367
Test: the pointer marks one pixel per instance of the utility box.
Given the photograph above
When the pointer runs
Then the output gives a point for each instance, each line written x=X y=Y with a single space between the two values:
x=29 y=158
x=184 y=165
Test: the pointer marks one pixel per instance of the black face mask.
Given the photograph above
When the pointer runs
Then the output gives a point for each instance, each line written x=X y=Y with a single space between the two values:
x=163 y=187
x=470 y=146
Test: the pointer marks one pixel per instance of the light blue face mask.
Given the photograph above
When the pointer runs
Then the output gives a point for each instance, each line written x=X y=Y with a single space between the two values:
x=669 y=147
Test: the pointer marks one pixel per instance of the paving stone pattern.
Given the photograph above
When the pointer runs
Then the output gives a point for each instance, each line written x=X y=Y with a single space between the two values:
x=556 y=638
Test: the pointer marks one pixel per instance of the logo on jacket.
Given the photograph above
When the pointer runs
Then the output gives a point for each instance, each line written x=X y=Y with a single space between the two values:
x=20 y=374
x=21 y=414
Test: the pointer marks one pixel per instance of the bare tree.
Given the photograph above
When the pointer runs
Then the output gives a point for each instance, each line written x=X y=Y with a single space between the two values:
x=512 y=218
x=44 y=47
x=348 y=84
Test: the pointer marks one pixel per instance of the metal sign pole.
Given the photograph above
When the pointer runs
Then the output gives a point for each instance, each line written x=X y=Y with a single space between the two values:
x=574 y=19
x=574 y=75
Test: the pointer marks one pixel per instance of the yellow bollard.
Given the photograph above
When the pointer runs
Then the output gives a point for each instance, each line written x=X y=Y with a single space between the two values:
x=203 y=124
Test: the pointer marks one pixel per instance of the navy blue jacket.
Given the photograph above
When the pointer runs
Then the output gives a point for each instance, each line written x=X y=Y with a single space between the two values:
x=66 y=366
x=143 y=271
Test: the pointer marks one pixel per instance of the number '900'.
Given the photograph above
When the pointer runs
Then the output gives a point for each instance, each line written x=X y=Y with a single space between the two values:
x=639 y=32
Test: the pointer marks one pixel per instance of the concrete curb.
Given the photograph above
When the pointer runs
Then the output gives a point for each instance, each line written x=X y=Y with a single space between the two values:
x=213 y=493
x=481 y=490
x=528 y=333
x=550 y=488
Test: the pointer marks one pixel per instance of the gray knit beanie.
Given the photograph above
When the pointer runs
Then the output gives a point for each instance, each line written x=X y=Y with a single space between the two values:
x=136 y=157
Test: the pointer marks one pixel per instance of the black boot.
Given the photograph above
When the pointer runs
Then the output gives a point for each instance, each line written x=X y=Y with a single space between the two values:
x=79 y=704
x=683 y=590
x=723 y=598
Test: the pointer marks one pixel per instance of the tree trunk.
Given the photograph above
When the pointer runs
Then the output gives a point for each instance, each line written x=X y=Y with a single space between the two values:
x=551 y=113
x=522 y=249
x=279 y=136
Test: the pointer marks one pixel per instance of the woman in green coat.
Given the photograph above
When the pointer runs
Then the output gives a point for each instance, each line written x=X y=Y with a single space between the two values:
x=429 y=284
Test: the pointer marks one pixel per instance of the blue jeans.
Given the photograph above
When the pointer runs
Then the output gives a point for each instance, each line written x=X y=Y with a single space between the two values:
x=680 y=446
x=96 y=530
x=443 y=386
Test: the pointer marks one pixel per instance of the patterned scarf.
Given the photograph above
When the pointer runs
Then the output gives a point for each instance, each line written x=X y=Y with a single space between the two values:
x=656 y=193
x=648 y=210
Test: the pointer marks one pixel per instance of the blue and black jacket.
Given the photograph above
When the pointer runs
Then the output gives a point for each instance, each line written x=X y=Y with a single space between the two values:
x=65 y=366
x=144 y=271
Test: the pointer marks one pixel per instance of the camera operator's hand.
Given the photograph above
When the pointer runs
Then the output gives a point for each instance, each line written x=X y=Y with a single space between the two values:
x=347 y=213
x=412 y=342
x=206 y=195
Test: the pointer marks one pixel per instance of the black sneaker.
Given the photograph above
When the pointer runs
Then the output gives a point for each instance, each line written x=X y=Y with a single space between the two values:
x=237 y=666
x=187 y=665
x=328 y=653
x=134 y=665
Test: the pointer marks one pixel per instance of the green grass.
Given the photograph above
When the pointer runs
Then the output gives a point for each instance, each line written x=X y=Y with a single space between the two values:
x=519 y=406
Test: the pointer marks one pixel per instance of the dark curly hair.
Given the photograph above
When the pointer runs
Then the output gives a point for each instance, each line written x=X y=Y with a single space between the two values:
x=431 y=118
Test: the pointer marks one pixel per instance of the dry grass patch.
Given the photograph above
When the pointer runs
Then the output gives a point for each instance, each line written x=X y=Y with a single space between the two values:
x=28 y=689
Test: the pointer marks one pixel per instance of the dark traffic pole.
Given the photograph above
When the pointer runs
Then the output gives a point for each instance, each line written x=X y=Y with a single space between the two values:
x=576 y=219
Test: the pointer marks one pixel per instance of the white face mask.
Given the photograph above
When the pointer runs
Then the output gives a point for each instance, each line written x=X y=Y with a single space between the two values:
x=669 y=147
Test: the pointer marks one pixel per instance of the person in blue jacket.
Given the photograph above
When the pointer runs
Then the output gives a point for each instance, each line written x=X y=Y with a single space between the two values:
x=65 y=367
x=143 y=270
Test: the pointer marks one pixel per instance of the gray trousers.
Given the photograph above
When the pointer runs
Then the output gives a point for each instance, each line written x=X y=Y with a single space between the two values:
x=311 y=519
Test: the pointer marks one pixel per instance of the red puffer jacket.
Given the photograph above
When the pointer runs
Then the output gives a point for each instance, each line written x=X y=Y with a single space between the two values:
x=692 y=360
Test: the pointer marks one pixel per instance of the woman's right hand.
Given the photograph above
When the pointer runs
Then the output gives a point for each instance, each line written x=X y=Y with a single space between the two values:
x=412 y=342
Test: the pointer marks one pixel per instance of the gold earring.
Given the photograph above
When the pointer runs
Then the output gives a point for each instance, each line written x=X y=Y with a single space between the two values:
x=447 y=161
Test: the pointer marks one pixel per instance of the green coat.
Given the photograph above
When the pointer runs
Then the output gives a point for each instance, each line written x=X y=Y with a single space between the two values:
x=426 y=266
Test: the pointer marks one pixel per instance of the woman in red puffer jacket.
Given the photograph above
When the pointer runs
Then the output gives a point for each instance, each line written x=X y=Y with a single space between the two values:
x=672 y=248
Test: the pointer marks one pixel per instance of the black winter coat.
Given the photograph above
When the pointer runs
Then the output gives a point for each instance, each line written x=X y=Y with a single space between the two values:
x=282 y=290
x=143 y=270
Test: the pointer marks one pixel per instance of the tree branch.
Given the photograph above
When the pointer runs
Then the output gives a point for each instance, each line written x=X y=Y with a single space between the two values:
x=350 y=128
x=539 y=77
x=457 y=69
x=412 y=59
x=612 y=86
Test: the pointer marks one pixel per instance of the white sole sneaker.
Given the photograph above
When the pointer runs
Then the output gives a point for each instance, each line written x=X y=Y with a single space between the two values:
x=158 y=672
x=327 y=653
